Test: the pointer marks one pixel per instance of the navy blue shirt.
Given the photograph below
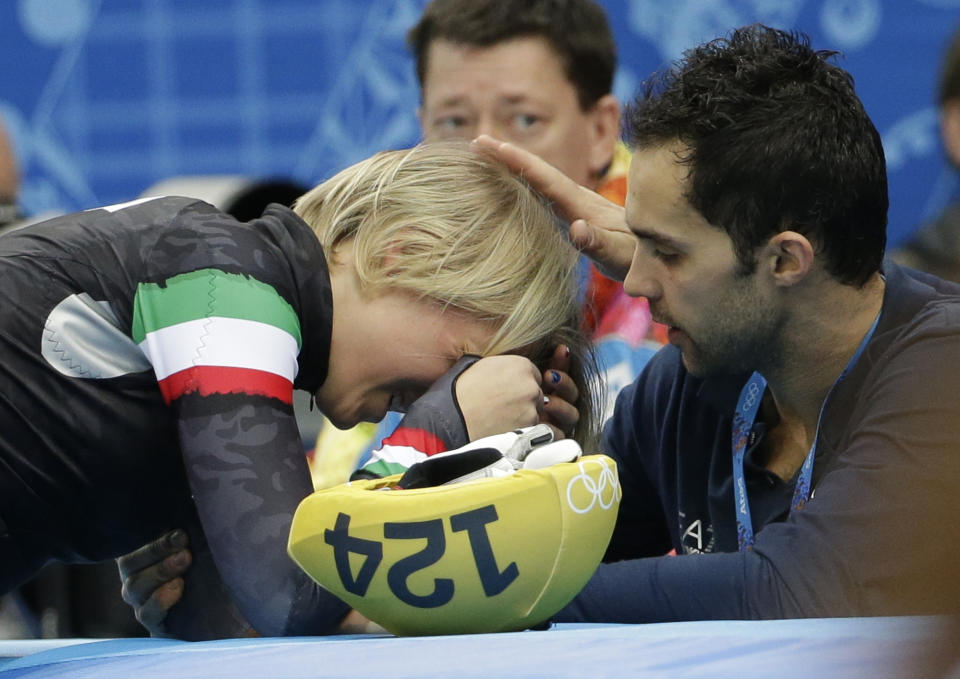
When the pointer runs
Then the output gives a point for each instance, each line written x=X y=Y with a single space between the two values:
x=878 y=536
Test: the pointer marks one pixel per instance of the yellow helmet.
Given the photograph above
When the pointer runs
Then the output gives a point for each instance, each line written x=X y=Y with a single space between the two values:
x=488 y=555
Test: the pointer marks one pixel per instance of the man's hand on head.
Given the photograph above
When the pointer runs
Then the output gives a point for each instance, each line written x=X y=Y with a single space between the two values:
x=598 y=226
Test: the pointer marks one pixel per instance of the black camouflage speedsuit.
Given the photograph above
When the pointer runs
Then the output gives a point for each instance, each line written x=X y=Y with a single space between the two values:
x=97 y=309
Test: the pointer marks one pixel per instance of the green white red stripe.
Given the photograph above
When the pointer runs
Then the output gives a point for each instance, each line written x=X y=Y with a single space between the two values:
x=390 y=460
x=211 y=332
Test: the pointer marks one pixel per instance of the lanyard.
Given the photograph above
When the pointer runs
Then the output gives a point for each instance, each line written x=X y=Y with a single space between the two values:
x=748 y=404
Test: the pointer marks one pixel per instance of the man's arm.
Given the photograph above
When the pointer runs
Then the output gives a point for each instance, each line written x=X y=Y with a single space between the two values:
x=641 y=528
x=677 y=588
x=877 y=537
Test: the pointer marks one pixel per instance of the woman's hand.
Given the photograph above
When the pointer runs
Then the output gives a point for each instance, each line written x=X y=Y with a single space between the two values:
x=501 y=393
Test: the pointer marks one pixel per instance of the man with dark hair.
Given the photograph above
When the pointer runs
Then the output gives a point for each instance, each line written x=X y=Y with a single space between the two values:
x=936 y=247
x=798 y=444
x=770 y=131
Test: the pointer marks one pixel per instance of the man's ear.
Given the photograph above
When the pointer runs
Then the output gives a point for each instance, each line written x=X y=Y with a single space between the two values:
x=604 y=131
x=789 y=257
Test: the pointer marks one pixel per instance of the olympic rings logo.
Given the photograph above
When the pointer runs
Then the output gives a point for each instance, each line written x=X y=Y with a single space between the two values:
x=602 y=487
x=753 y=391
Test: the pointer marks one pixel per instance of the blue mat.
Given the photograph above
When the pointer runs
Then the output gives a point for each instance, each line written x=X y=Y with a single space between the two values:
x=851 y=647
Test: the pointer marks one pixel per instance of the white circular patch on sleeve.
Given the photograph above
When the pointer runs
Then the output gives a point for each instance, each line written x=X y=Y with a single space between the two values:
x=82 y=338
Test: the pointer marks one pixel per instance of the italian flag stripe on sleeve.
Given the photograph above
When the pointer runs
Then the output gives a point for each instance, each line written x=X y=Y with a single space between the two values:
x=200 y=294
x=222 y=380
x=211 y=332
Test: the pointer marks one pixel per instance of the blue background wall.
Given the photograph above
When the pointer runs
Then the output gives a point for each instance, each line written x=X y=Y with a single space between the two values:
x=106 y=97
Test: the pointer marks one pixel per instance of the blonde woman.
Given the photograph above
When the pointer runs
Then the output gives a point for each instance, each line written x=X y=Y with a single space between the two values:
x=151 y=351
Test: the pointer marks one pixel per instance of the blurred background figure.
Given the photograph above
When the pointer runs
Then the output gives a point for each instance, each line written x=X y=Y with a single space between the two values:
x=9 y=181
x=239 y=196
x=936 y=247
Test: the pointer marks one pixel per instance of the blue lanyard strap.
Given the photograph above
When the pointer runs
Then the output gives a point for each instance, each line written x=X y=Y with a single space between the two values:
x=748 y=405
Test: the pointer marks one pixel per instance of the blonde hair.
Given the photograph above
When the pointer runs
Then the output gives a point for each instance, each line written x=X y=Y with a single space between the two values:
x=456 y=226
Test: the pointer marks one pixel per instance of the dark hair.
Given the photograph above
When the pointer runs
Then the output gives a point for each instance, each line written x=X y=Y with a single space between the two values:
x=776 y=140
x=950 y=72
x=577 y=30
